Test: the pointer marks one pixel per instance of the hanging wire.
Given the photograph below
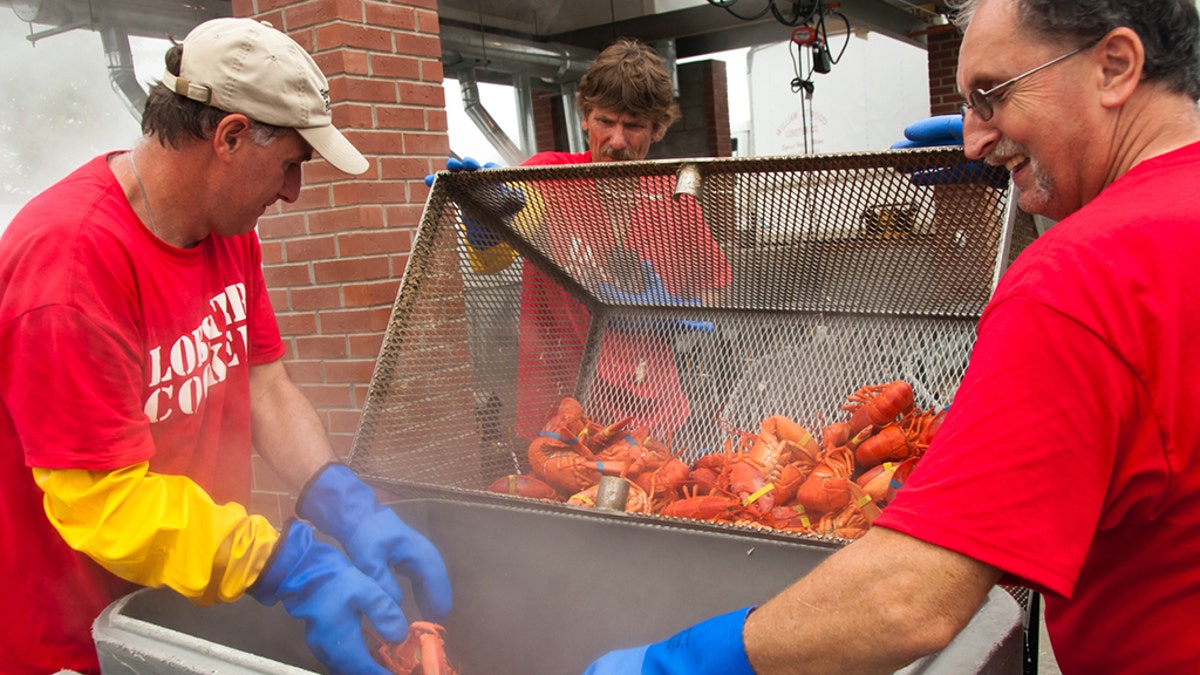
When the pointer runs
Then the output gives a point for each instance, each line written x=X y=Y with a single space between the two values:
x=825 y=36
x=800 y=14
x=482 y=37
x=612 y=19
x=804 y=84
x=728 y=6
x=800 y=82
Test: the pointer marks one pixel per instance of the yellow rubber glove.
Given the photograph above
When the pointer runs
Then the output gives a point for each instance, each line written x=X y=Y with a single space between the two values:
x=497 y=255
x=158 y=530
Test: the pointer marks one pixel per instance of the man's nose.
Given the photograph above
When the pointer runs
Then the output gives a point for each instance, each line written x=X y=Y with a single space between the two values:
x=617 y=140
x=291 y=185
x=978 y=136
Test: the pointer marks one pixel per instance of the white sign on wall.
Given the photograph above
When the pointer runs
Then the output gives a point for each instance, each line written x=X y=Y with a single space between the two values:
x=877 y=87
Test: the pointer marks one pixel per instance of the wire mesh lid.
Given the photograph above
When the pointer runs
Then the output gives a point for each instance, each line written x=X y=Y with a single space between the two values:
x=695 y=296
x=914 y=231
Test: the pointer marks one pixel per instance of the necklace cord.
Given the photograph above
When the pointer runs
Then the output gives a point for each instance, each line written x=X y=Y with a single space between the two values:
x=145 y=197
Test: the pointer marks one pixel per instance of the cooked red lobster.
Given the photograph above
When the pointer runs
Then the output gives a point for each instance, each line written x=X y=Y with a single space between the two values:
x=423 y=652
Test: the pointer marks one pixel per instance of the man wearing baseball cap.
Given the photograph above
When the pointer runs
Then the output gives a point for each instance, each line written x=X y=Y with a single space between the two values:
x=142 y=360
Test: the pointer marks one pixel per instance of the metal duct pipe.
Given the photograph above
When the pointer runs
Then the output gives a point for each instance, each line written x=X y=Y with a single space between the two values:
x=528 y=130
x=140 y=18
x=121 y=74
x=576 y=141
x=485 y=122
x=551 y=62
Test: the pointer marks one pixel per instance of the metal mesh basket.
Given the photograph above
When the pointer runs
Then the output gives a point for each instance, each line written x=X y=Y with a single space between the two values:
x=697 y=296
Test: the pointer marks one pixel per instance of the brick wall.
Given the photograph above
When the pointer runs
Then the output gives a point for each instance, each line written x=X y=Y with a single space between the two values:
x=550 y=132
x=943 y=44
x=716 y=104
x=333 y=260
x=703 y=131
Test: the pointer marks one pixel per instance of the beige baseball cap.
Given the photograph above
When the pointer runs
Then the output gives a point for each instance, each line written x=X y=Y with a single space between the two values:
x=248 y=67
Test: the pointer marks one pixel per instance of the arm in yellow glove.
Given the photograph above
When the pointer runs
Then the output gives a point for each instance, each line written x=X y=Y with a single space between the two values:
x=158 y=530
x=484 y=250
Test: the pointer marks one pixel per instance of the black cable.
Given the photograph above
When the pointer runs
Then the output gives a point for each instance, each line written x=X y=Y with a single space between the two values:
x=798 y=17
x=729 y=8
x=800 y=83
x=825 y=38
x=804 y=84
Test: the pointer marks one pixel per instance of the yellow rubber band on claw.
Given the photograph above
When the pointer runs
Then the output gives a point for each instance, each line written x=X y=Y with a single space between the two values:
x=863 y=501
x=754 y=496
x=803 y=515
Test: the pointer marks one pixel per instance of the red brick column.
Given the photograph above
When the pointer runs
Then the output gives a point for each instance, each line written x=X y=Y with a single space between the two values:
x=716 y=106
x=548 y=124
x=333 y=260
x=703 y=131
x=942 y=45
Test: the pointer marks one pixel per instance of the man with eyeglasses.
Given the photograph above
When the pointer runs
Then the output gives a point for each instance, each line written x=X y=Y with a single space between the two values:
x=1070 y=460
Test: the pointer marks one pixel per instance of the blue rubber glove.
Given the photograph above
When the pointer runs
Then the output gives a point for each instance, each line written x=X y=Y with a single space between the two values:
x=317 y=584
x=947 y=130
x=454 y=165
x=654 y=291
x=712 y=647
x=376 y=540
x=511 y=200
x=932 y=132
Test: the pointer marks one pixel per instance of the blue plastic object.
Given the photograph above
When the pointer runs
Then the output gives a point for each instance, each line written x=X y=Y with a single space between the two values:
x=932 y=131
x=317 y=584
x=940 y=131
x=454 y=164
x=654 y=291
x=512 y=199
x=376 y=540
x=711 y=647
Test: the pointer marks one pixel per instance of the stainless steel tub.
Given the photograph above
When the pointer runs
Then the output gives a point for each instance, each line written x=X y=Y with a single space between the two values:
x=536 y=592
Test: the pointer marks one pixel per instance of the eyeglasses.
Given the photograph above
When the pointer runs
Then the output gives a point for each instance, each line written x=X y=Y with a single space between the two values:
x=980 y=101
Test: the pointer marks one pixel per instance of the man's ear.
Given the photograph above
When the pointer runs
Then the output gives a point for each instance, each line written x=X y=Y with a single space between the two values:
x=231 y=134
x=1122 y=57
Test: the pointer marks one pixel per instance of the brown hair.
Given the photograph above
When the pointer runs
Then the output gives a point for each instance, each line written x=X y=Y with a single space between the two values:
x=630 y=77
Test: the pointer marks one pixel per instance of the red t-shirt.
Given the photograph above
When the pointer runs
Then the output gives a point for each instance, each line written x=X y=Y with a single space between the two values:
x=635 y=371
x=118 y=349
x=1069 y=458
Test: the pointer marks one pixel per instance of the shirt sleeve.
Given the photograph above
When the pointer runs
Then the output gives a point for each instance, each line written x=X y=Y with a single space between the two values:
x=66 y=381
x=265 y=342
x=1019 y=472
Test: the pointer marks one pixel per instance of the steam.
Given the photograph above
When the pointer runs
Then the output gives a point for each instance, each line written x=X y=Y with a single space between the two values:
x=58 y=109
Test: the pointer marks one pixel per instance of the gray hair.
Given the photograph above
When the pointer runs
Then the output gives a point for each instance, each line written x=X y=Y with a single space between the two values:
x=1169 y=30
